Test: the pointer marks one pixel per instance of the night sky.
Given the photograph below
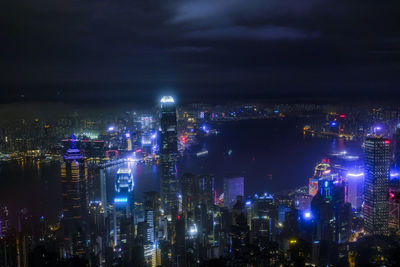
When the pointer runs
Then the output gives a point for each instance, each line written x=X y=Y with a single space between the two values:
x=126 y=50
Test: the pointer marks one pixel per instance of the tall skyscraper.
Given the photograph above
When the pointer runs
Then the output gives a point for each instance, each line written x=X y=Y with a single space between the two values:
x=123 y=213
x=397 y=148
x=168 y=149
x=376 y=185
x=75 y=202
x=233 y=187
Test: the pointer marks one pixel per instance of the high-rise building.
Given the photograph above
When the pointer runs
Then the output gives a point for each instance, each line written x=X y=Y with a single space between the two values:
x=233 y=187
x=124 y=206
x=74 y=202
x=355 y=188
x=168 y=149
x=376 y=185
x=397 y=148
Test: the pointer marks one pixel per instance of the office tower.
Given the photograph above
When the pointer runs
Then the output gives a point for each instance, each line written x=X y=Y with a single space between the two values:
x=168 y=149
x=207 y=190
x=331 y=218
x=355 y=189
x=394 y=205
x=396 y=151
x=264 y=218
x=3 y=222
x=190 y=194
x=151 y=202
x=97 y=231
x=75 y=202
x=123 y=214
x=233 y=187
x=376 y=185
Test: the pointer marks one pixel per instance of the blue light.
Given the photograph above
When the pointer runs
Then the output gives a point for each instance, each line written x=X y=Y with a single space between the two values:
x=307 y=215
x=276 y=111
x=73 y=141
x=326 y=183
x=333 y=124
x=248 y=203
x=121 y=200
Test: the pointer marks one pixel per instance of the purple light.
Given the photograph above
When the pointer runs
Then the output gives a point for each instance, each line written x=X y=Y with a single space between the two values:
x=154 y=136
x=355 y=174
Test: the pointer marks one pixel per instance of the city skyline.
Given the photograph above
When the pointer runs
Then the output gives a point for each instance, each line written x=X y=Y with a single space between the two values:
x=199 y=133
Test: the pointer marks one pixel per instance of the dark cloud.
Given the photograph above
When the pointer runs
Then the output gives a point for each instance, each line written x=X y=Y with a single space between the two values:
x=258 y=47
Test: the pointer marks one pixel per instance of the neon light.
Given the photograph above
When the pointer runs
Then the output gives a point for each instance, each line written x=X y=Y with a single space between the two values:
x=342 y=116
x=248 y=203
x=327 y=172
x=326 y=184
x=120 y=200
x=333 y=123
x=73 y=141
x=387 y=142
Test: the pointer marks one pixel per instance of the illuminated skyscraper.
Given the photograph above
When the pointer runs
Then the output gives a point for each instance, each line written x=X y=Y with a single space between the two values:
x=74 y=201
x=123 y=214
x=397 y=148
x=355 y=188
x=376 y=185
x=233 y=187
x=168 y=149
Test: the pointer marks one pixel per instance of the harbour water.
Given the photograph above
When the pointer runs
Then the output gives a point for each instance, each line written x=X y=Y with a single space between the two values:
x=272 y=155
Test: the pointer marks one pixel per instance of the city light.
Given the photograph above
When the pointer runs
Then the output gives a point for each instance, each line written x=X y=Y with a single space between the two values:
x=127 y=135
x=307 y=215
x=333 y=123
x=167 y=99
x=121 y=200
x=111 y=128
x=355 y=174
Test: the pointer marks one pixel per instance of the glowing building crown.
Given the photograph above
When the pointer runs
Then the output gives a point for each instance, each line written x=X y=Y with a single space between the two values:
x=167 y=99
